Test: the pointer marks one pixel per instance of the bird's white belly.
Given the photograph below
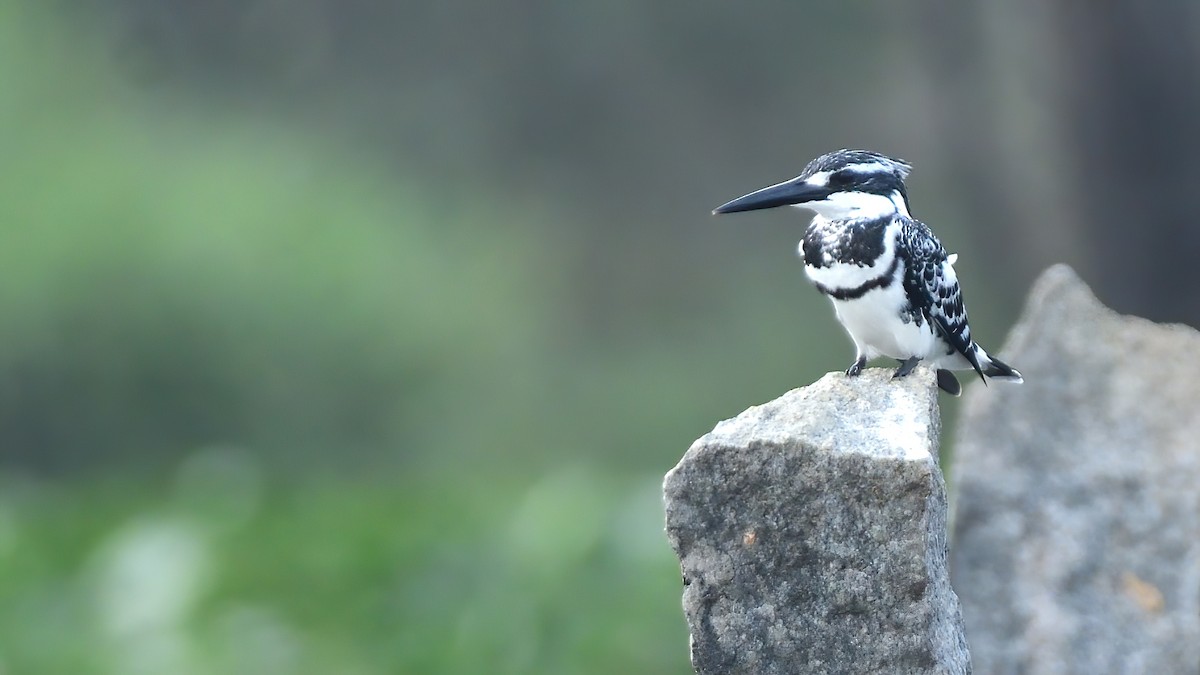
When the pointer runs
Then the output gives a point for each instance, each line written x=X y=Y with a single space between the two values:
x=876 y=324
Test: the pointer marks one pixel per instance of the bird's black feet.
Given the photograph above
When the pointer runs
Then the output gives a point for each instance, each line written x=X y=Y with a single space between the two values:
x=948 y=383
x=907 y=366
x=856 y=367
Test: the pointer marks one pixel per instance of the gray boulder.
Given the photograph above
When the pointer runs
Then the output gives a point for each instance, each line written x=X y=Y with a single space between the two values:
x=811 y=533
x=1077 y=535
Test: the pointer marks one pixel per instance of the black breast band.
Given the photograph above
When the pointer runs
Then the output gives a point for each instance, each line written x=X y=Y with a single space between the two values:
x=882 y=281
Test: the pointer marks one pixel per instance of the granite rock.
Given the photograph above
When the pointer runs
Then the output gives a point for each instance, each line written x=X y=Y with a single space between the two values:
x=811 y=533
x=1077 y=534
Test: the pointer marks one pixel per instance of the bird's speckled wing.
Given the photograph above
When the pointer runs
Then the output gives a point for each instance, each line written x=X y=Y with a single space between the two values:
x=932 y=287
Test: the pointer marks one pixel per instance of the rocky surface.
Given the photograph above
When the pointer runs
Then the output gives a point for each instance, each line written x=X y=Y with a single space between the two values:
x=1077 y=536
x=811 y=533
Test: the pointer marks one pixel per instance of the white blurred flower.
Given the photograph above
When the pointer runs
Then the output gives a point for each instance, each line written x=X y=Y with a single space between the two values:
x=147 y=578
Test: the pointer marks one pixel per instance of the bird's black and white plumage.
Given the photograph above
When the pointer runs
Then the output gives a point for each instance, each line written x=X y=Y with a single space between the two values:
x=892 y=284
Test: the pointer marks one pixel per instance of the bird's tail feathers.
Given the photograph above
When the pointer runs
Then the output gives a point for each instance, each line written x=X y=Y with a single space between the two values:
x=997 y=369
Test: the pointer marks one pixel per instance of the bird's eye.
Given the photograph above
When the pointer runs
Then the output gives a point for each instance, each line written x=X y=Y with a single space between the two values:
x=840 y=178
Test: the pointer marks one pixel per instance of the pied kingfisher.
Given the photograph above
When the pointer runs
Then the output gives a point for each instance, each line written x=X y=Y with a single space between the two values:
x=892 y=284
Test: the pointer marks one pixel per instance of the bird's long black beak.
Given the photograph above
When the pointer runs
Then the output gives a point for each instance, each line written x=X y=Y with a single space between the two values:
x=794 y=191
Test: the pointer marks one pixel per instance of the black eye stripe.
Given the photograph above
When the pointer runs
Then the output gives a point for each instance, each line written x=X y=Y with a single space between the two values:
x=841 y=178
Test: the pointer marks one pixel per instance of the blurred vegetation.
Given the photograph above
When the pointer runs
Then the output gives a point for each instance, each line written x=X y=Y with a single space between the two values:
x=210 y=278
x=272 y=404
x=267 y=409
x=223 y=570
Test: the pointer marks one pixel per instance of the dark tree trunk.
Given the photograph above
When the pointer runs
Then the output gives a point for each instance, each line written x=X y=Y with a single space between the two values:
x=1077 y=126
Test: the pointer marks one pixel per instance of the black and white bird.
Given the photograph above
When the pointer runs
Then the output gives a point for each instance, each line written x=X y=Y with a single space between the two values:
x=892 y=284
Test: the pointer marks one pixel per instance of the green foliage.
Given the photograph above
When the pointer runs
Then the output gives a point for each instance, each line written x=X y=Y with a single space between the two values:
x=565 y=575
x=177 y=276
x=174 y=278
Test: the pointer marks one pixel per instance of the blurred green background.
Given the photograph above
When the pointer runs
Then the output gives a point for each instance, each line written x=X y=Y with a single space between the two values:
x=352 y=338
